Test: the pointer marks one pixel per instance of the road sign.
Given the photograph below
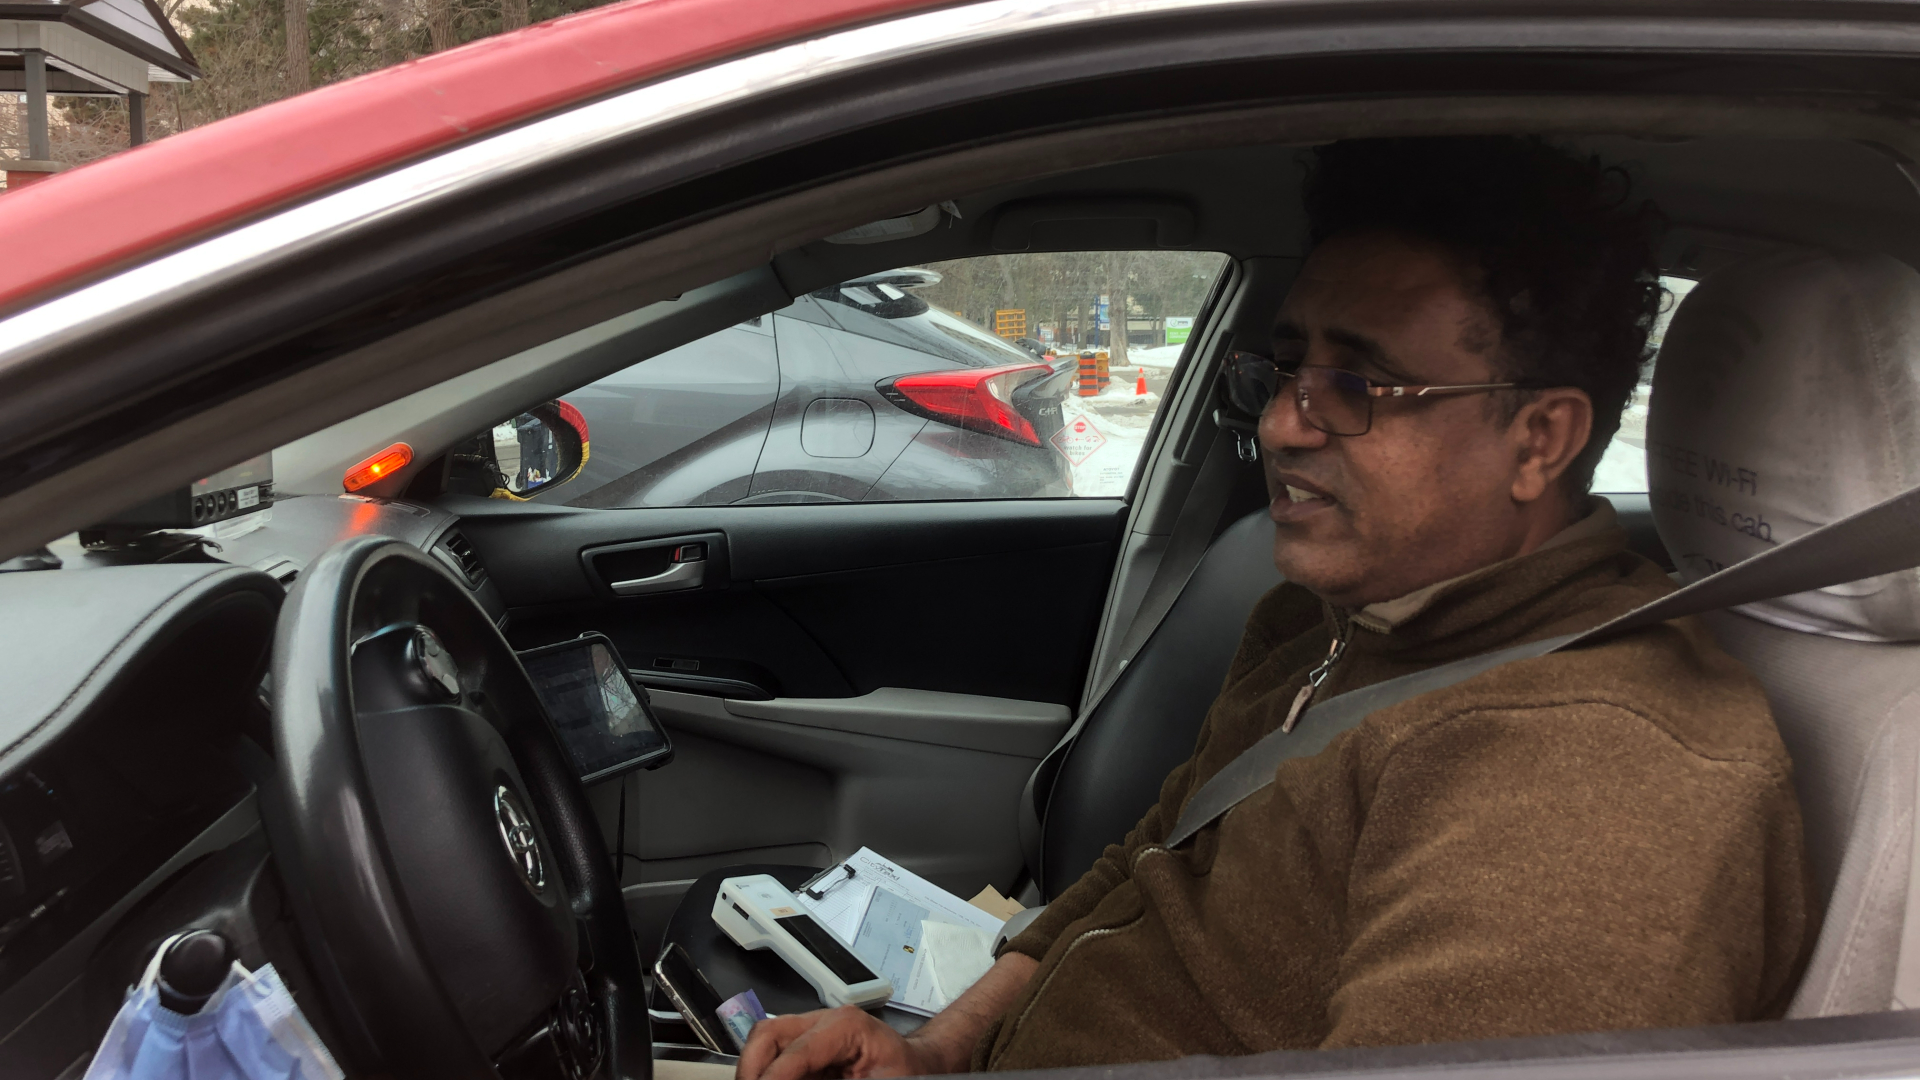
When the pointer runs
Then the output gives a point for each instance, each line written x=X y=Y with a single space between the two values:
x=1079 y=439
x=1178 y=327
x=1010 y=322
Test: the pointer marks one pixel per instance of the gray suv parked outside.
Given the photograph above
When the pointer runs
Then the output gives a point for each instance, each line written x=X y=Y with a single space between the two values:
x=858 y=392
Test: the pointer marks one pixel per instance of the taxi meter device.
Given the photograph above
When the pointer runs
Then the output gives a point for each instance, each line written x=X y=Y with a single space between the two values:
x=242 y=489
x=758 y=912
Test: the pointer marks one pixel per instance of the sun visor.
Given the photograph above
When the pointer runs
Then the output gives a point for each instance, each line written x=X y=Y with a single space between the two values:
x=1787 y=396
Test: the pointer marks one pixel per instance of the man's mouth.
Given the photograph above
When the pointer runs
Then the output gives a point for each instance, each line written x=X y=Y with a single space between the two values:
x=1299 y=501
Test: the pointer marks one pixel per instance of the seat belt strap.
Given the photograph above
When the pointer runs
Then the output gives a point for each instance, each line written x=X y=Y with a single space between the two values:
x=1881 y=539
x=1253 y=769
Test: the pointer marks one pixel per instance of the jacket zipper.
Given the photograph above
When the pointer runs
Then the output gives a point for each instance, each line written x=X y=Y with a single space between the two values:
x=1342 y=629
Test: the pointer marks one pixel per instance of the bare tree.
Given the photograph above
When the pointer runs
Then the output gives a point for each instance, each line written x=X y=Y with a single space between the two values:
x=513 y=14
x=1119 y=305
x=299 y=51
x=1062 y=289
x=440 y=24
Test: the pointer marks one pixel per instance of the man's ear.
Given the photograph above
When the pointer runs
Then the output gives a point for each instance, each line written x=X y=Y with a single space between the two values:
x=1549 y=432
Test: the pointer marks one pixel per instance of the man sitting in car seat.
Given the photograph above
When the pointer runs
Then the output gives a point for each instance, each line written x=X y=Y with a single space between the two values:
x=1593 y=839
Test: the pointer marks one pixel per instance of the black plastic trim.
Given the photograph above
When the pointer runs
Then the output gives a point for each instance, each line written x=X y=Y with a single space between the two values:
x=713 y=686
x=534 y=550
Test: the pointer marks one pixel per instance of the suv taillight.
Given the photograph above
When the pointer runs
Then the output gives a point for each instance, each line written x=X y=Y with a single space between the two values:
x=978 y=399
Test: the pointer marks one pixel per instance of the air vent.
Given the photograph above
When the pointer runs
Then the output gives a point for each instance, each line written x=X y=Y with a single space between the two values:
x=464 y=558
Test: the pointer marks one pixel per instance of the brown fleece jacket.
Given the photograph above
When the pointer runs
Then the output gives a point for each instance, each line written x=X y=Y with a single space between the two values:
x=1602 y=838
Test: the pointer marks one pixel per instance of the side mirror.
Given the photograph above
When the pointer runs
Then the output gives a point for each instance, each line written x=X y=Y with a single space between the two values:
x=539 y=449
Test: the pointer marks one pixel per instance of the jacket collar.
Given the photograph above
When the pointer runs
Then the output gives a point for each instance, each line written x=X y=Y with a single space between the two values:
x=1460 y=605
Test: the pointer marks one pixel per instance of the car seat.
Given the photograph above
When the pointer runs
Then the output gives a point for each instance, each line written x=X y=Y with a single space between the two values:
x=1103 y=779
x=1787 y=395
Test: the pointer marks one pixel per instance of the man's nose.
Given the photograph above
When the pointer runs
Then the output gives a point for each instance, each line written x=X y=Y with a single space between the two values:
x=1284 y=427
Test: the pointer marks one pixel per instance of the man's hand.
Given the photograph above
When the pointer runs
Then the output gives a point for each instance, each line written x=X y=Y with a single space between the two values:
x=831 y=1042
x=847 y=1042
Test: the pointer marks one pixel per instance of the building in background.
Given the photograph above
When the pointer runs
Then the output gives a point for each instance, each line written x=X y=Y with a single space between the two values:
x=83 y=48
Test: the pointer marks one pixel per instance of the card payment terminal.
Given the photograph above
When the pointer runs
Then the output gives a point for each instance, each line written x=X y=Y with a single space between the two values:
x=758 y=912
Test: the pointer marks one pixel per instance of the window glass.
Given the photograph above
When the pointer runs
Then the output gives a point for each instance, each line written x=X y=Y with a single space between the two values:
x=1623 y=466
x=1006 y=376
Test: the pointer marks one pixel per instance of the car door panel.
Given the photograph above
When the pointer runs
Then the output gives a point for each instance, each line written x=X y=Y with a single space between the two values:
x=907 y=665
x=997 y=725
x=534 y=549
x=947 y=812
x=733 y=634
x=690 y=817
x=957 y=625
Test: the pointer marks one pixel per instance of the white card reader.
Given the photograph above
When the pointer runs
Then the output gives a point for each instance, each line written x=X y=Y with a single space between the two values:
x=758 y=912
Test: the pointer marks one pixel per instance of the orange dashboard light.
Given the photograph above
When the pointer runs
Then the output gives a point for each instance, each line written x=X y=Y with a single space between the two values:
x=379 y=466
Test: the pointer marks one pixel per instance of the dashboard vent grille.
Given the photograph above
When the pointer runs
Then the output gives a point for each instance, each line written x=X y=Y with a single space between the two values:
x=456 y=545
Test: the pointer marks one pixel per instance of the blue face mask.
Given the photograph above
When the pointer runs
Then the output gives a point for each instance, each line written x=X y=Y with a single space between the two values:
x=250 y=1029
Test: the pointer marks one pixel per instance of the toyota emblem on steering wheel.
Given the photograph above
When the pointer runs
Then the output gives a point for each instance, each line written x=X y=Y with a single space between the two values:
x=516 y=831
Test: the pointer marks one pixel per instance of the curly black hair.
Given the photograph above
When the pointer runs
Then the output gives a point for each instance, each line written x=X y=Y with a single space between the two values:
x=1562 y=257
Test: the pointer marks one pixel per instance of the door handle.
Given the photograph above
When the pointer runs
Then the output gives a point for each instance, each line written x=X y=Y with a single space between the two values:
x=665 y=564
x=680 y=575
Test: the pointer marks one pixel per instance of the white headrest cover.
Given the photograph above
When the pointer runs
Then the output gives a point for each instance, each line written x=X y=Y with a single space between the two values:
x=1787 y=396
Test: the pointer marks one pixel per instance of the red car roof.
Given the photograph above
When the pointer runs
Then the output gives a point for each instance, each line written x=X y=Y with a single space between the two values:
x=76 y=225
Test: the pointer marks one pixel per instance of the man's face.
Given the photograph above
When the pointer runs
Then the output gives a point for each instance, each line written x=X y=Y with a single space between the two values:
x=1426 y=494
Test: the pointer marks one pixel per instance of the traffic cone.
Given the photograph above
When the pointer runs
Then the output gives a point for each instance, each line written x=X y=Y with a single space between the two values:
x=1140 y=388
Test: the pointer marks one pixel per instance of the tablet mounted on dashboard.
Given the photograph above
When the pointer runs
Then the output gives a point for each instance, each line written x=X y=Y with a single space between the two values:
x=599 y=712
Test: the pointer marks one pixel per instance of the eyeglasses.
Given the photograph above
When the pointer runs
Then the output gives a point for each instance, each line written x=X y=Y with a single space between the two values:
x=1334 y=400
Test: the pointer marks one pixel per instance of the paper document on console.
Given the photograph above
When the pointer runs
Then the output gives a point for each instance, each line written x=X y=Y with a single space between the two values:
x=844 y=900
x=888 y=941
x=953 y=958
x=840 y=908
x=881 y=909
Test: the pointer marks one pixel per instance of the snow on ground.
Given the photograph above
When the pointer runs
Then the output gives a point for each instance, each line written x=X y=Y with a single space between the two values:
x=1160 y=356
x=1121 y=418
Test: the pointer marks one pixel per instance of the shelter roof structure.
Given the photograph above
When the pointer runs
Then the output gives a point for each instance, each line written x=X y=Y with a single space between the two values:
x=84 y=48
x=92 y=47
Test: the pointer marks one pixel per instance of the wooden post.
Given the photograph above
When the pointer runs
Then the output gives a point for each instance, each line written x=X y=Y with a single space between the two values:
x=136 y=118
x=39 y=143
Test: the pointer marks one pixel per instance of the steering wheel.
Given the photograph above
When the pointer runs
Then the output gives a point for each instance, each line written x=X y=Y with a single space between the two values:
x=447 y=873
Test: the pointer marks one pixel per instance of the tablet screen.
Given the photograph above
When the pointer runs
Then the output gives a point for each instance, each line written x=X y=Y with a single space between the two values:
x=601 y=717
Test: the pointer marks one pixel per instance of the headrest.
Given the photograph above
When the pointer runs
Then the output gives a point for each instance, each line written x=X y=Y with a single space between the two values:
x=1787 y=396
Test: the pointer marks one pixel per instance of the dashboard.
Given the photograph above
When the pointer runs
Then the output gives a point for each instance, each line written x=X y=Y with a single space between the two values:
x=296 y=530
x=135 y=735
